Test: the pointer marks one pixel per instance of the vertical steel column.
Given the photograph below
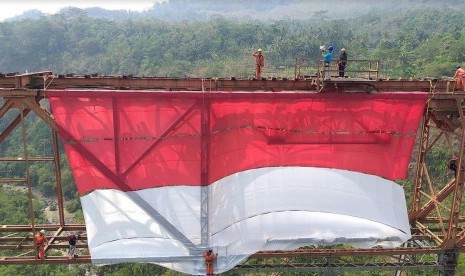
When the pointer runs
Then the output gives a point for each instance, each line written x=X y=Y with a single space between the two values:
x=451 y=235
x=318 y=81
x=116 y=131
x=56 y=161
x=9 y=129
x=28 y=179
x=295 y=69
x=369 y=70
x=204 y=169
x=420 y=166
x=447 y=263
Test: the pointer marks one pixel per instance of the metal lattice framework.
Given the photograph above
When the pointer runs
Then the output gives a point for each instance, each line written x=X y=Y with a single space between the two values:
x=435 y=213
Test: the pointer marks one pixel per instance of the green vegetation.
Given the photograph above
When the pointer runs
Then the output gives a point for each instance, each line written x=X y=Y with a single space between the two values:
x=412 y=43
x=14 y=207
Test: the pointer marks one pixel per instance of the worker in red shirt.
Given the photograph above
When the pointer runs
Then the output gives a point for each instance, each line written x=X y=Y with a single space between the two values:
x=209 y=258
x=41 y=241
x=260 y=62
x=460 y=78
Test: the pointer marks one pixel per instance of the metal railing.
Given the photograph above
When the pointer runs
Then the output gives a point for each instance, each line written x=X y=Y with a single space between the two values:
x=356 y=68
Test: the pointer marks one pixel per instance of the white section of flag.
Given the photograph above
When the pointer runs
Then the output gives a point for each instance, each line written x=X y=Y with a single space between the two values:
x=260 y=209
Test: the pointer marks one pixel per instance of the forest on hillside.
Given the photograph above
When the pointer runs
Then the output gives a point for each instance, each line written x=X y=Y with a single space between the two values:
x=411 y=43
x=410 y=38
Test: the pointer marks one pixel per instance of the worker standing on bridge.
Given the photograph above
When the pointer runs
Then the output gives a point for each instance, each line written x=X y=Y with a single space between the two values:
x=327 y=57
x=209 y=258
x=342 y=63
x=259 y=62
x=459 y=78
x=452 y=165
x=41 y=241
x=72 y=238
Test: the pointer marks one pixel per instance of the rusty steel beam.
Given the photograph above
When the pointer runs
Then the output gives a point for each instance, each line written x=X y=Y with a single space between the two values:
x=46 y=227
x=430 y=205
x=447 y=105
x=48 y=260
x=59 y=190
x=346 y=252
x=116 y=131
x=460 y=238
x=200 y=84
x=32 y=246
x=451 y=234
x=38 y=81
x=413 y=85
x=438 y=238
x=12 y=180
x=456 y=237
x=25 y=80
x=258 y=255
x=31 y=238
x=204 y=170
x=32 y=103
x=436 y=219
x=194 y=84
x=284 y=87
x=7 y=131
x=7 y=83
x=52 y=239
x=68 y=138
x=424 y=137
x=20 y=159
x=27 y=178
x=12 y=93
x=5 y=107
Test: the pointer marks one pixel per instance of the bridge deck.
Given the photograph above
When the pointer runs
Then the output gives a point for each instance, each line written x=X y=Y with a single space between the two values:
x=46 y=80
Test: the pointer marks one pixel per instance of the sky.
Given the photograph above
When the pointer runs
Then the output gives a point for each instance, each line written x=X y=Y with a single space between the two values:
x=11 y=8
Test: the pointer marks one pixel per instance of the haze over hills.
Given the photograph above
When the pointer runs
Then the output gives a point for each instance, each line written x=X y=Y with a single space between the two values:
x=192 y=10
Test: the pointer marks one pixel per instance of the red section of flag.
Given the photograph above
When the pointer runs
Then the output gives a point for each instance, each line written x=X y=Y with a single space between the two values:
x=137 y=140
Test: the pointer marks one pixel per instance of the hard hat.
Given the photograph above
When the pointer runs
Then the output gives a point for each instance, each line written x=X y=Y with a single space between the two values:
x=259 y=50
x=42 y=232
x=343 y=49
x=330 y=48
x=457 y=66
x=322 y=48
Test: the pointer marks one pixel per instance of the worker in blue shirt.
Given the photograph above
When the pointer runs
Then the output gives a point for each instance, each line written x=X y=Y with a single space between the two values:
x=327 y=57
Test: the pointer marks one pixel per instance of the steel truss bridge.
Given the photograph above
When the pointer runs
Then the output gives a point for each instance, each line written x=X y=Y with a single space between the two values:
x=435 y=212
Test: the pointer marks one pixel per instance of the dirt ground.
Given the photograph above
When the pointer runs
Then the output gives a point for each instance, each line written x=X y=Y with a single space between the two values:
x=53 y=216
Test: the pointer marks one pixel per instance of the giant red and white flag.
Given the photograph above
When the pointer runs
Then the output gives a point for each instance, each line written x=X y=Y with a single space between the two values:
x=164 y=175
